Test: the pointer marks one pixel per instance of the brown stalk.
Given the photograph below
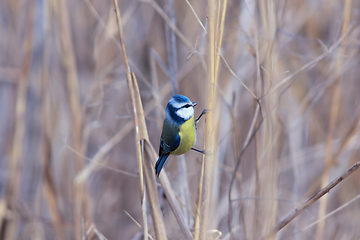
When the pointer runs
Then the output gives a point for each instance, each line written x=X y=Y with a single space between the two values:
x=199 y=199
x=140 y=133
x=151 y=190
x=217 y=39
x=270 y=186
x=210 y=128
x=312 y=200
x=48 y=186
x=216 y=178
x=220 y=37
x=335 y=105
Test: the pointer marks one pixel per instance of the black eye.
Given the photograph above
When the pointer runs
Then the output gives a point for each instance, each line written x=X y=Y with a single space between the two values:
x=187 y=105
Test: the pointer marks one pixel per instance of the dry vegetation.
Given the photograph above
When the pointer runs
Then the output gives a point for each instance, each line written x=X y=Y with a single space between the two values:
x=281 y=80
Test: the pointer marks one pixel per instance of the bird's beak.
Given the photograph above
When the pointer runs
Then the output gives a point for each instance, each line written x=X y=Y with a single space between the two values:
x=194 y=104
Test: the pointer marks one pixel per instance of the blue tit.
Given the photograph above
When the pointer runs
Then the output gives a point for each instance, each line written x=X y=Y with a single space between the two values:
x=179 y=129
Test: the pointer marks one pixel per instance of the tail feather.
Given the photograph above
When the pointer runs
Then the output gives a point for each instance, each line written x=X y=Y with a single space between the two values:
x=160 y=163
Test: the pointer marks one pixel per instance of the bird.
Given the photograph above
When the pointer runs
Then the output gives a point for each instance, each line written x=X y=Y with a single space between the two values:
x=179 y=130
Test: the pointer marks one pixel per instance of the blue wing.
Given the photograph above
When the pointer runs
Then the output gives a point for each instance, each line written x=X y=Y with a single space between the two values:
x=164 y=152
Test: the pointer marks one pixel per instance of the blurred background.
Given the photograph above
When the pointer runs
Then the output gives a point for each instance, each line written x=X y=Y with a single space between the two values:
x=67 y=146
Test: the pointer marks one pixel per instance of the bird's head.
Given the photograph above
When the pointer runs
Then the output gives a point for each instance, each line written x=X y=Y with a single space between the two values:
x=180 y=108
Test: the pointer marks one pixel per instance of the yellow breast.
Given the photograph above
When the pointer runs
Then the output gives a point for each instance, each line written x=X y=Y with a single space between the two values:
x=188 y=137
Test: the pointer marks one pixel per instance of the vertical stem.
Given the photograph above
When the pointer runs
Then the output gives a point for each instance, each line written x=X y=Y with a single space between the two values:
x=210 y=132
x=220 y=38
x=48 y=185
x=335 y=105
x=198 y=206
x=139 y=147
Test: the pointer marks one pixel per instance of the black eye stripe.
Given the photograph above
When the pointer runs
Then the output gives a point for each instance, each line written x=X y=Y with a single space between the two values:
x=186 y=106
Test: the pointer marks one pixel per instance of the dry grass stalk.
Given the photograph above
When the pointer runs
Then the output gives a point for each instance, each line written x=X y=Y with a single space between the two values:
x=149 y=156
x=330 y=214
x=198 y=203
x=140 y=134
x=209 y=158
x=270 y=127
x=312 y=200
x=48 y=185
x=335 y=105
x=219 y=37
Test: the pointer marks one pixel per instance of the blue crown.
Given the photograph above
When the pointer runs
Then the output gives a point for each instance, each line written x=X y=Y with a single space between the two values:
x=180 y=98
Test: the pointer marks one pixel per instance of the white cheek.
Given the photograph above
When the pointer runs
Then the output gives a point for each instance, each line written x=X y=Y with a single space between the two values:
x=185 y=113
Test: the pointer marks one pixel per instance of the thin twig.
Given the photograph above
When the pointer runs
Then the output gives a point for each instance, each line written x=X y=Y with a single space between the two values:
x=329 y=214
x=196 y=16
x=312 y=200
